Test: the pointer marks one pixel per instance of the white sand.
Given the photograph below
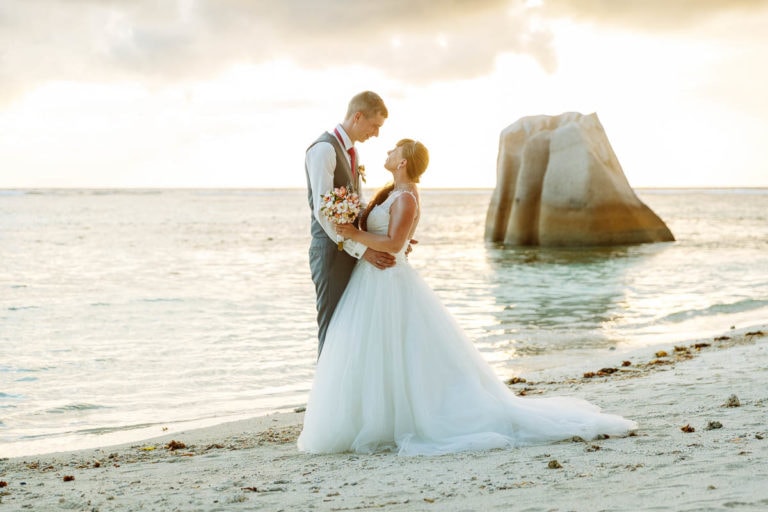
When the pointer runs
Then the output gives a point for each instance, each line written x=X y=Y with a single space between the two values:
x=254 y=464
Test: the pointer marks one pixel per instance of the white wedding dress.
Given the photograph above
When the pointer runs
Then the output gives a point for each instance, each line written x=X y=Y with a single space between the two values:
x=397 y=372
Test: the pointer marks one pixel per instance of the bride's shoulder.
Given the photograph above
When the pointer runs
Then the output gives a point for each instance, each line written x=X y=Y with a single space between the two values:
x=407 y=198
x=408 y=194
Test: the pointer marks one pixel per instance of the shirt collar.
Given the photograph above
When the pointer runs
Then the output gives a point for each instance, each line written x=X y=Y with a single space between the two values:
x=345 y=138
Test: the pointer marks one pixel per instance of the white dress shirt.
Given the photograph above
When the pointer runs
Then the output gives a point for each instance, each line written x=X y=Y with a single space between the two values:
x=321 y=164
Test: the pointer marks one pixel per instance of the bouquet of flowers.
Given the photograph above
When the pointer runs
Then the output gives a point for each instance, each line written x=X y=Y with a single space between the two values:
x=340 y=206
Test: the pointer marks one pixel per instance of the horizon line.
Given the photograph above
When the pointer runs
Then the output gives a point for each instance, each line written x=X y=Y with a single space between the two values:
x=304 y=188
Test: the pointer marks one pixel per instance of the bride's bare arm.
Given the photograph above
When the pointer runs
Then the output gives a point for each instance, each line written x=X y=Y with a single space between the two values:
x=401 y=216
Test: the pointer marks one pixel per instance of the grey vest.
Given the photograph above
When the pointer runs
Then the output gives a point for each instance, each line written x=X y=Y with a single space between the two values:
x=342 y=177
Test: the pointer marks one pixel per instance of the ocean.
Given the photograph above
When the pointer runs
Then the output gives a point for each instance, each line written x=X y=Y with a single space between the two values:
x=125 y=312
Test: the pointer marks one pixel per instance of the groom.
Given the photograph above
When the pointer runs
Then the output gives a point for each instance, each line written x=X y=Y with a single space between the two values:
x=331 y=161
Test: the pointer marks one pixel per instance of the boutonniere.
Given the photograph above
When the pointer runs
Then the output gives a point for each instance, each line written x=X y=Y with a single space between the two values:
x=361 y=172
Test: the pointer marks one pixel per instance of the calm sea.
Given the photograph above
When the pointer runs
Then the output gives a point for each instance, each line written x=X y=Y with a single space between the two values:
x=123 y=312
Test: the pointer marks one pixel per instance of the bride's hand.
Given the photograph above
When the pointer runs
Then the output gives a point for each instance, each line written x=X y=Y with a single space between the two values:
x=345 y=230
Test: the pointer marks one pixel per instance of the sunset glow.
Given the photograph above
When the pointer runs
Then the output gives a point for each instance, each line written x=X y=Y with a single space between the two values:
x=143 y=97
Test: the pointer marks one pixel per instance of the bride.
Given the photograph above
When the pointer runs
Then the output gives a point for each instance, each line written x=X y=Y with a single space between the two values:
x=398 y=373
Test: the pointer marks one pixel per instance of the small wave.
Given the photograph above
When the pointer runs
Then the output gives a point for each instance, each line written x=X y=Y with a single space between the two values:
x=21 y=308
x=11 y=193
x=125 y=191
x=9 y=395
x=12 y=369
x=715 y=309
x=121 y=428
x=75 y=408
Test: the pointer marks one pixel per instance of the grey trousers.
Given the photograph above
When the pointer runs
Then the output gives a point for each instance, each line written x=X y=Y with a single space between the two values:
x=331 y=270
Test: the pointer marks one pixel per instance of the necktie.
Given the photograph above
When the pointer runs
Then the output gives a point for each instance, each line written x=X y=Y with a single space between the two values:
x=352 y=155
x=352 y=160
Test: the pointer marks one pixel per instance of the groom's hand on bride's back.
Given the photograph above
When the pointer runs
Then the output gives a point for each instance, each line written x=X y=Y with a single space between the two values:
x=378 y=259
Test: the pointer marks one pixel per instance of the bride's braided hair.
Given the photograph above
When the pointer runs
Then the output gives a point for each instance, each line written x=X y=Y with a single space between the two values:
x=417 y=159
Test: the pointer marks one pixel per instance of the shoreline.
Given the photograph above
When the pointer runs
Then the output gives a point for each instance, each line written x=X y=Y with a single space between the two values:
x=549 y=367
x=253 y=463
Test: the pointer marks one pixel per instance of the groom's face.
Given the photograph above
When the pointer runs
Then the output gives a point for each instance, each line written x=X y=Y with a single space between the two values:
x=368 y=127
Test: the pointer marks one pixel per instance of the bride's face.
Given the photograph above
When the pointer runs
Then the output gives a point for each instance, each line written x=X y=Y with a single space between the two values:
x=394 y=157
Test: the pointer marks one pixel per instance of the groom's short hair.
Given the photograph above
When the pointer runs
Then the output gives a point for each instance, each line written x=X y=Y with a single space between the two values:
x=367 y=102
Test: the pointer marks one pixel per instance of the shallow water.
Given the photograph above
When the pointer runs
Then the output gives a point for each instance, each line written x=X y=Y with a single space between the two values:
x=123 y=311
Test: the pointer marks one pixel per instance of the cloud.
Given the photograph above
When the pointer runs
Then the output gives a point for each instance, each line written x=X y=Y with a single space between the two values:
x=416 y=41
x=158 y=42
x=650 y=15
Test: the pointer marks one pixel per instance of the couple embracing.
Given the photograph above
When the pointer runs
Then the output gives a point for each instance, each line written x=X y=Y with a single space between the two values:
x=395 y=371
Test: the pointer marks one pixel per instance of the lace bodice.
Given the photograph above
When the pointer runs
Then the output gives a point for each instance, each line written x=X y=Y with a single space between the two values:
x=378 y=219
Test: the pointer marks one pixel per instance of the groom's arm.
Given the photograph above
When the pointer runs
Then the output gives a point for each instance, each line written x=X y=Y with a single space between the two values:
x=321 y=165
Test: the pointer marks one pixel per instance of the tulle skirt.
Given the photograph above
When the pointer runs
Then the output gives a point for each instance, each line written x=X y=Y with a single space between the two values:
x=397 y=372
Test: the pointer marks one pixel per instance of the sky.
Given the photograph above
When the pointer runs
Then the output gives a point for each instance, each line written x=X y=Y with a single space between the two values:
x=229 y=93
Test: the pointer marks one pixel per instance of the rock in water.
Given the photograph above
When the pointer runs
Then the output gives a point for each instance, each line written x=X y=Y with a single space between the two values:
x=559 y=183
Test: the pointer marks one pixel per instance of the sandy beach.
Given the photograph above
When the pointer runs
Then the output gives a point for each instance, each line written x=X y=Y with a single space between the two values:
x=702 y=408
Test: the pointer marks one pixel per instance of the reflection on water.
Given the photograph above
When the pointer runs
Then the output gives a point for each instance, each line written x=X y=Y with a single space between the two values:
x=552 y=299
